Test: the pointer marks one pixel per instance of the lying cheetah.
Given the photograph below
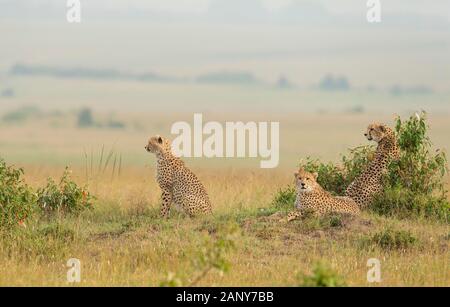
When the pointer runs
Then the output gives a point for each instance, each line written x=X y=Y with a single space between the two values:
x=366 y=186
x=311 y=196
x=178 y=184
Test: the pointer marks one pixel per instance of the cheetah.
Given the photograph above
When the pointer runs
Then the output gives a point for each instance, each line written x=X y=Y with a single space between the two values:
x=367 y=185
x=177 y=182
x=312 y=197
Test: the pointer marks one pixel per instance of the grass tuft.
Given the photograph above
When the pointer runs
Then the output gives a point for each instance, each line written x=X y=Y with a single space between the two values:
x=390 y=239
x=322 y=276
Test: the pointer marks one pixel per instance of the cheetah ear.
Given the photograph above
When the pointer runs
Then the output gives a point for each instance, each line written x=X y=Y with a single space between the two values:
x=315 y=175
x=160 y=141
x=382 y=128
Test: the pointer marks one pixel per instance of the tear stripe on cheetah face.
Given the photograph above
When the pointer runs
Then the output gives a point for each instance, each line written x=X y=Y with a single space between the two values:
x=312 y=197
x=366 y=186
x=178 y=183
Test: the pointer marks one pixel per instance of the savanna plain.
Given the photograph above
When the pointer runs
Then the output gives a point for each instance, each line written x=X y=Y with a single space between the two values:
x=122 y=241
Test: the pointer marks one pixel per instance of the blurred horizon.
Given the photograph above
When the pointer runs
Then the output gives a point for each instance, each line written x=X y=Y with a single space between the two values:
x=300 y=41
x=132 y=68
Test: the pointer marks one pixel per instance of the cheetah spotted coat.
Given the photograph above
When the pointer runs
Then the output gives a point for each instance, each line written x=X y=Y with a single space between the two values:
x=317 y=200
x=178 y=183
x=369 y=184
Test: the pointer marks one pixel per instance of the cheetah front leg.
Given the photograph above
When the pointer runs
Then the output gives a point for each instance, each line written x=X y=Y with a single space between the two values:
x=300 y=214
x=166 y=202
x=293 y=215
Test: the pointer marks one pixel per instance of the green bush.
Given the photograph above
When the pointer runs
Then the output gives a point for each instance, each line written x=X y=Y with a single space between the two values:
x=64 y=197
x=322 y=276
x=404 y=203
x=414 y=184
x=336 y=179
x=332 y=178
x=285 y=199
x=16 y=198
x=390 y=239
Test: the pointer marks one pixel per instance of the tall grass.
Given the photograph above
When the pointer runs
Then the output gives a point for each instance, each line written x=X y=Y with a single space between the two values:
x=107 y=162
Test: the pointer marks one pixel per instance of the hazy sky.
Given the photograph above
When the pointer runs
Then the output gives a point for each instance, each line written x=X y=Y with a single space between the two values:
x=304 y=40
x=438 y=7
x=434 y=7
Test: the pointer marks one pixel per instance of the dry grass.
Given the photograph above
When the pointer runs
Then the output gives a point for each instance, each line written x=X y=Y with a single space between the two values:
x=124 y=242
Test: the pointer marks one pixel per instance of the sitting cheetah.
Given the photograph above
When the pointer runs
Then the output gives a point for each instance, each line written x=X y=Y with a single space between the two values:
x=367 y=185
x=311 y=196
x=178 y=184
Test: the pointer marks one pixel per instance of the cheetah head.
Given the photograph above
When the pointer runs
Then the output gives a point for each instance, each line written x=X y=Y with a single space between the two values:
x=376 y=132
x=306 y=182
x=157 y=144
